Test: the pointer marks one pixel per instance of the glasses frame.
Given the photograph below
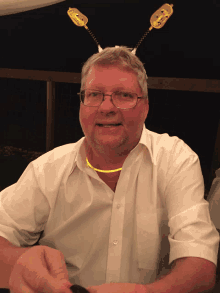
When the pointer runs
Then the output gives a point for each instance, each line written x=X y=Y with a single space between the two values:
x=111 y=98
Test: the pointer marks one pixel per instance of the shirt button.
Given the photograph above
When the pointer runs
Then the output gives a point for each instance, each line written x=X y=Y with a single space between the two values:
x=118 y=206
x=115 y=242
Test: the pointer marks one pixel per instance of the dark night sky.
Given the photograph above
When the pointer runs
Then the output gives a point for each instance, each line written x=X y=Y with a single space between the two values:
x=46 y=38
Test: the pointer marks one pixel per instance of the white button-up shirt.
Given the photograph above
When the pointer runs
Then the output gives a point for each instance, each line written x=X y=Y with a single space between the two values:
x=156 y=214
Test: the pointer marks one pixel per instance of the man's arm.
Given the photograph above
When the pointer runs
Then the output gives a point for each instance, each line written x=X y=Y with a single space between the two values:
x=188 y=275
x=9 y=254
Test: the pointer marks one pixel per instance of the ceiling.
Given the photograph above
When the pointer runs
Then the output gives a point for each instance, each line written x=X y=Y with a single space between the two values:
x=46 y=38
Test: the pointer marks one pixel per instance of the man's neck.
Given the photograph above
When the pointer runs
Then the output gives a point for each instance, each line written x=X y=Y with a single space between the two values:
x=105 y=160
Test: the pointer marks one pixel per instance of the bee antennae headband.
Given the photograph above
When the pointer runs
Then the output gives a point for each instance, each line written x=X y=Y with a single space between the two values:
x=157 y=20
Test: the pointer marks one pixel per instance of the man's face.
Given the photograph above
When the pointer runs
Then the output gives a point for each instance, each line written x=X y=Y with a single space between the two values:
x=125 y=137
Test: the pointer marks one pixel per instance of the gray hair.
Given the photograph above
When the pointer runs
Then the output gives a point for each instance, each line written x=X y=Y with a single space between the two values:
x=122 y=57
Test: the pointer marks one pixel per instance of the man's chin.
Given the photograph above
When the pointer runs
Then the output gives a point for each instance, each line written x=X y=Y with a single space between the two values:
x=109 y=143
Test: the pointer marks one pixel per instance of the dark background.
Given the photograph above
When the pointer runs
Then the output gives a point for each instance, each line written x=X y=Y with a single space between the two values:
x=47 y=39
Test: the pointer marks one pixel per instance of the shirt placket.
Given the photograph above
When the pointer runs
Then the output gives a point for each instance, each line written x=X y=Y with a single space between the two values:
x=115 y=239
x=117 y=220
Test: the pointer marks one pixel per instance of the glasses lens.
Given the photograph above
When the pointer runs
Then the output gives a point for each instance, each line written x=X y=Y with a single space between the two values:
x=91 y=98
x=123 y=100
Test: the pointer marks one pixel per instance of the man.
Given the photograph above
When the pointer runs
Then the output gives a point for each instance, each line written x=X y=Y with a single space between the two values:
x=115 y=204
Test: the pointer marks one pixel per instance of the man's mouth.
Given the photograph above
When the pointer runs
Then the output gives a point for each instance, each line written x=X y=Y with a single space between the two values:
x=108 y=125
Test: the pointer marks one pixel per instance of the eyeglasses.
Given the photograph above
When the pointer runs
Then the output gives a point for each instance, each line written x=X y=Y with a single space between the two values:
x=121 y=99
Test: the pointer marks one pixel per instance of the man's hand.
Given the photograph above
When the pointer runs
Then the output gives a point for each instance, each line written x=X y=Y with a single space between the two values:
x=40 y=269
x=119 y=288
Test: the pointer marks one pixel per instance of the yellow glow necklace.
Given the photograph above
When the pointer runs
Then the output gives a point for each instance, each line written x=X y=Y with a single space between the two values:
x=103 y=171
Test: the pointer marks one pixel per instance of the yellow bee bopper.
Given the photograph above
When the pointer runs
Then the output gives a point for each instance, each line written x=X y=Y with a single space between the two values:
x=157 y=20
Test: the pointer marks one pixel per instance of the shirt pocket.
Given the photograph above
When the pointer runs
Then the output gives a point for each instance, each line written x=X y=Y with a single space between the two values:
x=151 y=229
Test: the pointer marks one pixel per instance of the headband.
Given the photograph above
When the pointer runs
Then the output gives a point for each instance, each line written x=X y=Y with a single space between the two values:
x=157 y=20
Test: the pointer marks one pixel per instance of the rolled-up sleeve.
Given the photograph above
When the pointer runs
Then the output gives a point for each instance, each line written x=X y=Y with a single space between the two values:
x=24 y=210
x=192 y=233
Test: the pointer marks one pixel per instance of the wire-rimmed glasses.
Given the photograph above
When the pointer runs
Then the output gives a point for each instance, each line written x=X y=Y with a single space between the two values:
x=121 y=99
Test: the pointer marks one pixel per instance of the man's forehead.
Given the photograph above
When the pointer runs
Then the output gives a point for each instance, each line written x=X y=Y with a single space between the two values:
x=92 y=73
x=119 y=83
x=115 y=88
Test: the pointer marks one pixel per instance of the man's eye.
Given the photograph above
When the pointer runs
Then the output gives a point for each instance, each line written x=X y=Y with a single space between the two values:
x=93 y=94
x=125 y=95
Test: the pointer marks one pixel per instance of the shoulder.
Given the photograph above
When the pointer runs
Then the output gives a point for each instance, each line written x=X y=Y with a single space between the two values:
x=166 y=147
x=57 y=159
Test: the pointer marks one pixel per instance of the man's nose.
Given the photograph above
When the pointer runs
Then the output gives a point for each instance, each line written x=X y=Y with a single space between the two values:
x=107 y=102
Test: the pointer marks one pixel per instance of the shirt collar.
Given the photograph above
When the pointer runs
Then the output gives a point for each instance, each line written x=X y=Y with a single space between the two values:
x=145 y=141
